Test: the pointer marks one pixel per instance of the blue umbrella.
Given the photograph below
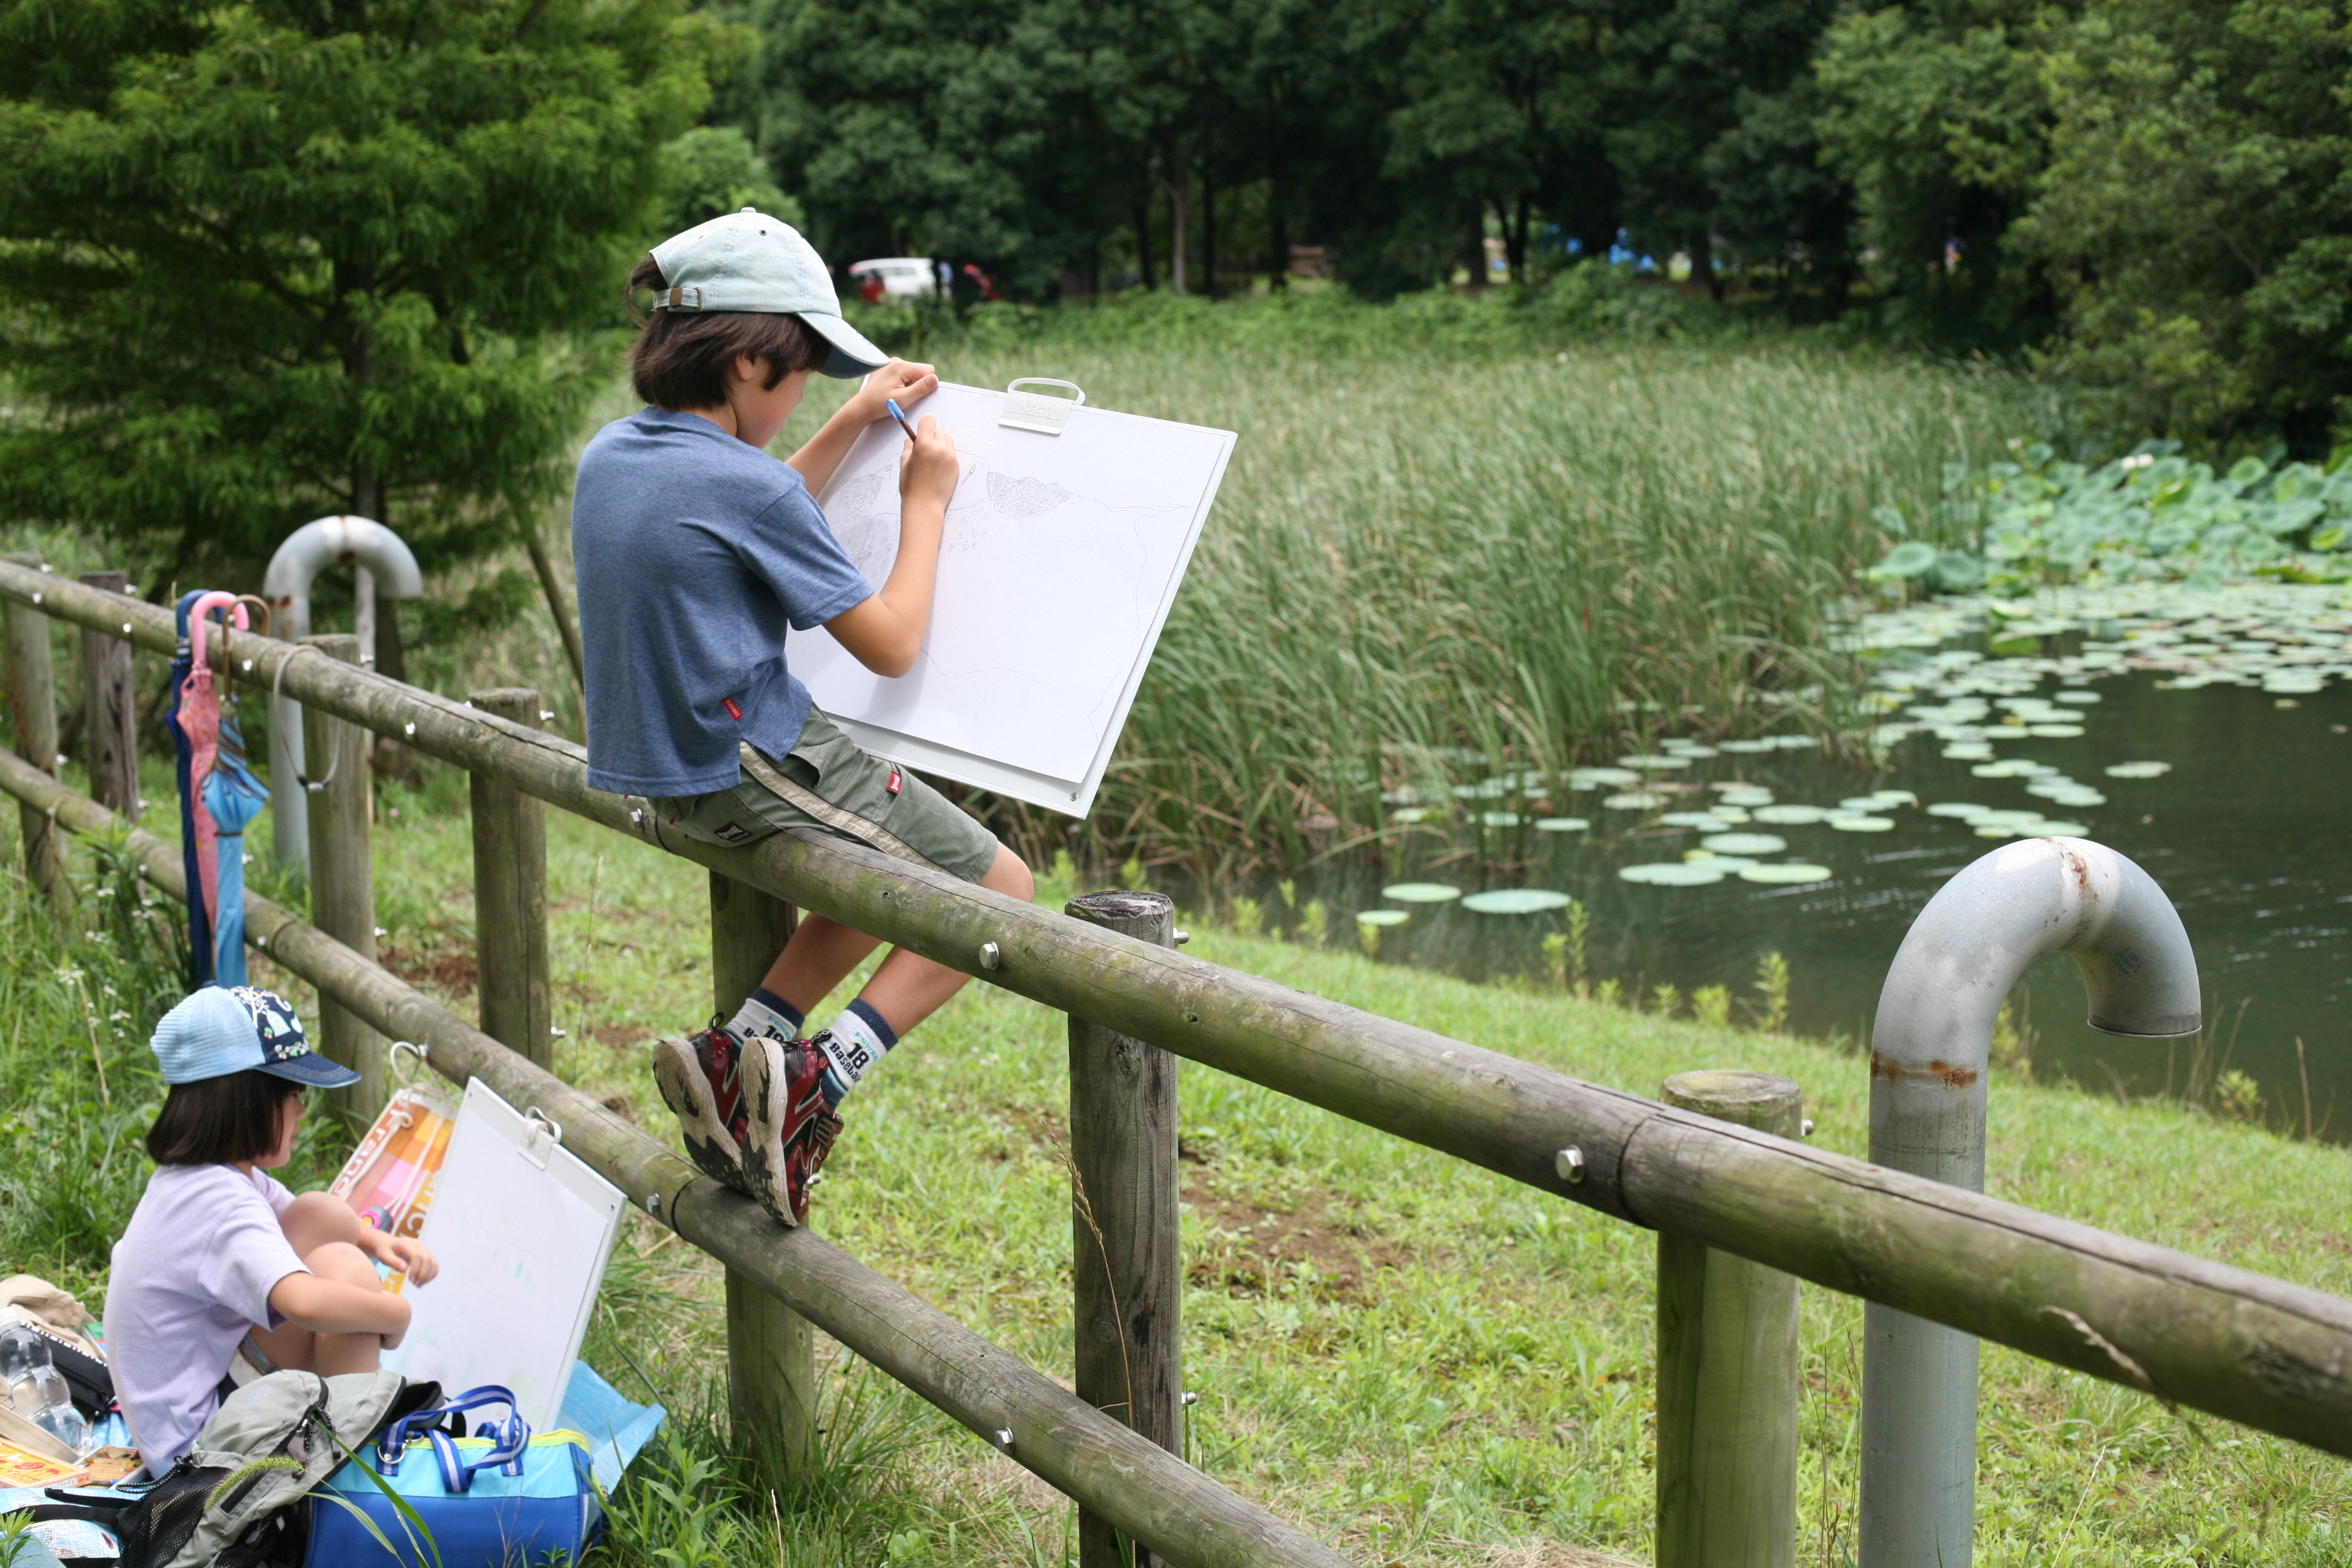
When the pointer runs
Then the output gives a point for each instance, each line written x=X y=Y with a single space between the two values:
x=235 y=797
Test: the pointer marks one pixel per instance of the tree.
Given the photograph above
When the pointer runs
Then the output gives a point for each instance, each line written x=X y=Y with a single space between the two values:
x=260 y=262
x=1939 y=117
x=2196 y=216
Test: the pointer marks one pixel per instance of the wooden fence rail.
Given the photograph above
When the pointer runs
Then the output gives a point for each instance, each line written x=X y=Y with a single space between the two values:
x=1144 y=1491
x=2273 y=1355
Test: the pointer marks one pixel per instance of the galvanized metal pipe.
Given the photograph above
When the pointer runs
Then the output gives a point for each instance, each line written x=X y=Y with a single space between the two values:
x=1930 y=1050
x=378 y=554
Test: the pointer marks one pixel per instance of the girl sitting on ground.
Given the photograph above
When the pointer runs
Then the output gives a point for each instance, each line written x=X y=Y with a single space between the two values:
x=219 y=1254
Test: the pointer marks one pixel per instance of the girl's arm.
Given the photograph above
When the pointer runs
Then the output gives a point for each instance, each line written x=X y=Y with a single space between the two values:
x=826 y=448
x=331 y=1307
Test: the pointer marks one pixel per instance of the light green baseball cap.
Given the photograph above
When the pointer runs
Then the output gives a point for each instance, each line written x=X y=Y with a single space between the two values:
x=749 y=262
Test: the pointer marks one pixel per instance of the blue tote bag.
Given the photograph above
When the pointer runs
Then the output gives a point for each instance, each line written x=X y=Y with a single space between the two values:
x=498 y=1497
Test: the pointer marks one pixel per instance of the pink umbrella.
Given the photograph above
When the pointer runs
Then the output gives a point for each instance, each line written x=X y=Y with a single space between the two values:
x=200 y=719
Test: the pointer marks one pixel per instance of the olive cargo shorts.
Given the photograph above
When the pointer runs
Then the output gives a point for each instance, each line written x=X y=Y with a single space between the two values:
x=828 y=783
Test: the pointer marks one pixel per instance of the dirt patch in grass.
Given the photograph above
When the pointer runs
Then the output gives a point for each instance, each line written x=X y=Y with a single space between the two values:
x=1252 y=1248
x=447 y=969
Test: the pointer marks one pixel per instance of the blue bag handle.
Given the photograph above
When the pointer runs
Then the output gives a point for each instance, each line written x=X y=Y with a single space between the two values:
x=508 y=1440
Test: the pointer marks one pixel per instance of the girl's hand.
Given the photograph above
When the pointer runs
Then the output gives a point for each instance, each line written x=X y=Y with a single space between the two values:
x=901 y=379
x=408 y=1255
x=927 y=469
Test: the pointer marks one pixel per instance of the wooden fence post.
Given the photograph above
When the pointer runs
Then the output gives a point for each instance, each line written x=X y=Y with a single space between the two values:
x=1727 y=1370
x=1126 y=1264
x=772 y=1388
x=109 y=715
x=342 y=876
x=33 y=703
x=510 y=899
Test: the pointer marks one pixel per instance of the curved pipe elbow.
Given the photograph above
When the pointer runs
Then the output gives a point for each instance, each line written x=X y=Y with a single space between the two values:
x=1932 y=1042
x=324 y=541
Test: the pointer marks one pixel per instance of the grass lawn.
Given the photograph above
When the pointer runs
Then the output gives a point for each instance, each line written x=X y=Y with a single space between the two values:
x=1420 y=1361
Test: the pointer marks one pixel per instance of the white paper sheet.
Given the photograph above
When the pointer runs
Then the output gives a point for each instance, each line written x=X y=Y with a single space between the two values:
x=1061 y=557
x=522 y=1251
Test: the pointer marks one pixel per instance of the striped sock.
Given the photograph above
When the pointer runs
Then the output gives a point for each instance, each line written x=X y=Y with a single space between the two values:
x=765 y=1012
x=857 y=1039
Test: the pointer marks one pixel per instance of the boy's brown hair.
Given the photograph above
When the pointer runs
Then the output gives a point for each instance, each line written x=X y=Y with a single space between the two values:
x=681 y=358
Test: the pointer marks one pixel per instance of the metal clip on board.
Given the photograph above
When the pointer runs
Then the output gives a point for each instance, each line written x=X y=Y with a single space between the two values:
x=1038 y=411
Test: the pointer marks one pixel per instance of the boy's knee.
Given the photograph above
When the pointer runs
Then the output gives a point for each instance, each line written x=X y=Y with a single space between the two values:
x=1010 y=876
x=343 y=1263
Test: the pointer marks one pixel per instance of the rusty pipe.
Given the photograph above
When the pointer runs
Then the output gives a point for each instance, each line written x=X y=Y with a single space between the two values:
x=1930 y=1050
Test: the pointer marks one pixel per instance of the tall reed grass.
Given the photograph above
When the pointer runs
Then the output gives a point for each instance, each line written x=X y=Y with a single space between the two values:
x=1434 y=560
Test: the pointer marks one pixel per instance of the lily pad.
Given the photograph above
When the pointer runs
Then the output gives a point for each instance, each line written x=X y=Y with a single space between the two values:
x=1381 y=917
x=1720 y=862
x=1743 y=747
x=2056 y=731
x=1965 y=810
x=1410 y=814
x=1635 y=800
x=1690 y=748
x=2138 y=770
x=1861 y=822
x=1784 y=874
x=1886 y=798
x=1703 y=820
x=1419 y=893
x=1516 y=901
x=1673 y=873
x=1859 y=803
x=1654 y=762
x=1967 y=751
x=1791 y=815
x=1562 y=824
x=1745 y=843
x=1750 y=795
x=1585 y=778
x=2081 y=698
x=1499 y=818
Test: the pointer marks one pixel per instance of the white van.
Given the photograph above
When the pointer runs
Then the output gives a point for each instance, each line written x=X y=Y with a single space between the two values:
x=898 y=277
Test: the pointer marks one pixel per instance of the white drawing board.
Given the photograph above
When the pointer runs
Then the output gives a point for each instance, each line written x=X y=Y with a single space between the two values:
x=522 y=1230
x=1060 y=558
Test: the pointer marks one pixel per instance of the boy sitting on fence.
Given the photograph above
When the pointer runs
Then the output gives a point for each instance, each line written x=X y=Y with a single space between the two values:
x=695 y=551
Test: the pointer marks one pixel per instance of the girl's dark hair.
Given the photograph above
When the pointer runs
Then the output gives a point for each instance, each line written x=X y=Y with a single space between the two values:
x=681 y=358
x=220 y=1121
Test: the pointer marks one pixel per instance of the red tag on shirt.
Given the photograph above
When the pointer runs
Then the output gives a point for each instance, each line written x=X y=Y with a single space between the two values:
x=893 y=785
x=732 y=711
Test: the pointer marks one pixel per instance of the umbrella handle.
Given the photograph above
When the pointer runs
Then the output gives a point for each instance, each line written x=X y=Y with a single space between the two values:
x=277 y=698
x=201 y=609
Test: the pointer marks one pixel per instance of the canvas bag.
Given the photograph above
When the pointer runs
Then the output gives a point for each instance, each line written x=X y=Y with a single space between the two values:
x=225 y=1503
x=500 y=1496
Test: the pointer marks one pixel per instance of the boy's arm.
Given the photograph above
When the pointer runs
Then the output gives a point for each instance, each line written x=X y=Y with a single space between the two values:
x=825 y=449
x=886 y=632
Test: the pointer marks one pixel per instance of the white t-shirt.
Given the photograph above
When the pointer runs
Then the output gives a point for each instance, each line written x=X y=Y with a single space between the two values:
x=191 y=1275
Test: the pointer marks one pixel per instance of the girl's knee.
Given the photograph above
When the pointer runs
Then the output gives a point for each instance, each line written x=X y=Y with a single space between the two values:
x=314 y=1219
x=343 y=1263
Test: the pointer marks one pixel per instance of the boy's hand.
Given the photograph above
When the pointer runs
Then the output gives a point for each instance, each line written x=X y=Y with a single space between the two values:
x=901 y=379
x=927 y=469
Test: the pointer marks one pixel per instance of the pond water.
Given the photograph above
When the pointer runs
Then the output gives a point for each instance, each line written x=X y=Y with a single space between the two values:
x=2205 y=735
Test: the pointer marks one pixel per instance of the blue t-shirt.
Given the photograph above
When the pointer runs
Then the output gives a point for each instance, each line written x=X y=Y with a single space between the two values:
x=694 y=552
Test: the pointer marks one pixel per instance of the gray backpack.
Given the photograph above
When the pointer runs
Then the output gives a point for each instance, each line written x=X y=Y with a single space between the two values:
x=227 y=1503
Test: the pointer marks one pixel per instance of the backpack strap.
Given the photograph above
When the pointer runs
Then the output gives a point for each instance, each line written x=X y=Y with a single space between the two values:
x=508 y=1438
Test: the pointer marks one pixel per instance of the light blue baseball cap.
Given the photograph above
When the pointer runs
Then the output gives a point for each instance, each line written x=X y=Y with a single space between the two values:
x=749 y=262
x=222 y=1029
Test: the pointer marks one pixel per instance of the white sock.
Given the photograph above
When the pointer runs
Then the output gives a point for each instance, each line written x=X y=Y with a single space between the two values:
x=855 y=1042
x=756 y=1016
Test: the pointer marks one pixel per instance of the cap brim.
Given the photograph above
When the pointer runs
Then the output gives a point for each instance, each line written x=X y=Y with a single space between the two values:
x=313 y=1071
x=852 y=354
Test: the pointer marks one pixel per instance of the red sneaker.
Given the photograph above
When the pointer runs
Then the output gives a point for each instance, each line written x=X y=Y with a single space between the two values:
x=788 y=1128
x=701 y=1079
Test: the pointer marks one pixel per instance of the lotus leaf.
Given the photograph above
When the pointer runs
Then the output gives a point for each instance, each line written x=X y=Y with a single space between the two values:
x=1635 y=800
x=1517 y=901
x=1381 y=917
x=1419 y=893
x=2138 y=770
x=1860 y=823
x=1785 y=874
x=1673 y=873
x=1745 y=843
x=1791 y=815
x=1562 y=824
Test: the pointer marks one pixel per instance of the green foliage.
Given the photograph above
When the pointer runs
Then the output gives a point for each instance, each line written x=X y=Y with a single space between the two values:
x=1771 y=987
x=262 y=261
x=714 y=170
x=2019 y=525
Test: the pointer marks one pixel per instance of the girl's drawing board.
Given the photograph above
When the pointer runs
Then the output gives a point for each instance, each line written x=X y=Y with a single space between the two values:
x=522 y=1230
x=1061 y=557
